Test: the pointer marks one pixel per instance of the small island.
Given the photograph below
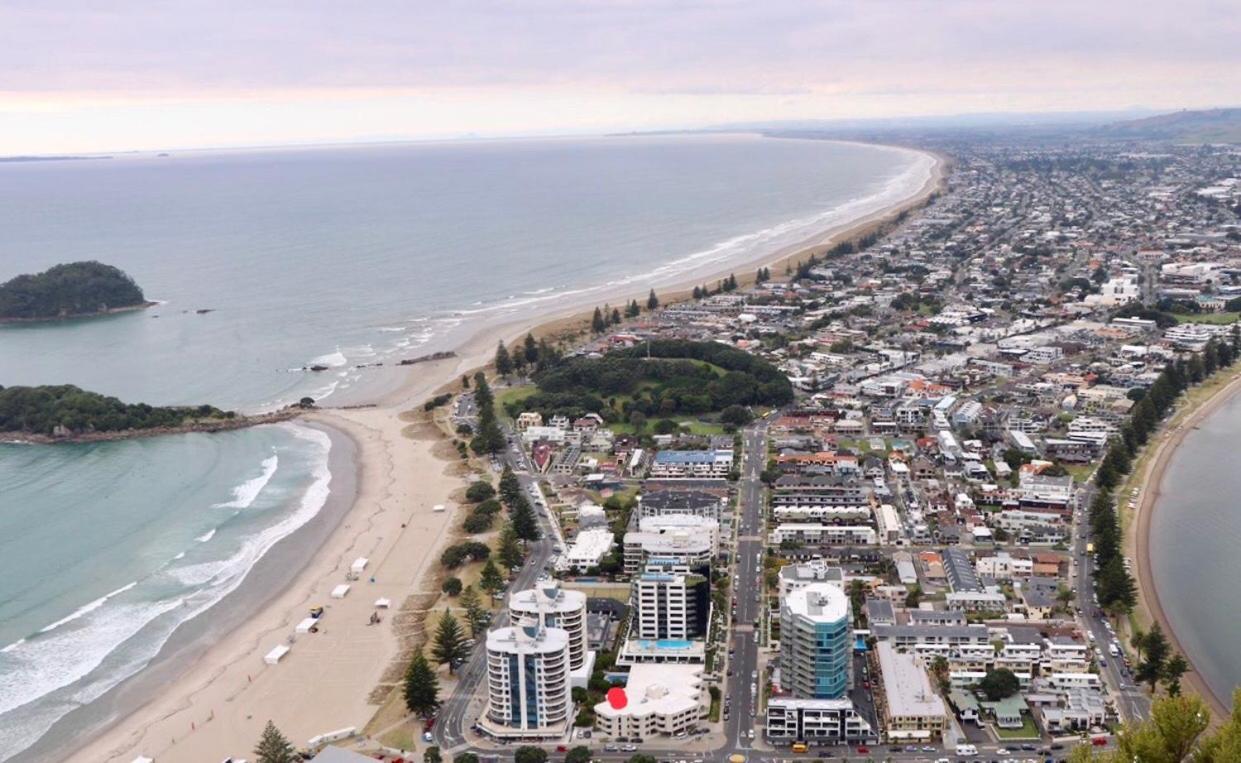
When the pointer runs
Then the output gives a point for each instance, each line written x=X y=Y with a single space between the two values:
x=71 y=290
x=65 y=413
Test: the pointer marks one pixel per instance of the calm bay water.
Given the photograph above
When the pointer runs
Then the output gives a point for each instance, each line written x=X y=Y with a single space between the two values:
x=1195 y=538
x=333 y=256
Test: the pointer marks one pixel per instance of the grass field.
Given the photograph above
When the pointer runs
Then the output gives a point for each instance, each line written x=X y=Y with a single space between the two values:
x=1216 y=318
x=1027 y=731
x=512 y=395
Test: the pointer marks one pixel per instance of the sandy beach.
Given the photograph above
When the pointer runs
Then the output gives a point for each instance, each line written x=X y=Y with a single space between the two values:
x=1138 y=533
x=217 y=707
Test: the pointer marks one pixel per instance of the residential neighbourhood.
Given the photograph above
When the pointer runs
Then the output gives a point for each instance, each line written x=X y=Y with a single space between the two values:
x=895 y=557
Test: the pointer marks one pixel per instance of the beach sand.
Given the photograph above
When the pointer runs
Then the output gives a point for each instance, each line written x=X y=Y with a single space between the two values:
x=218 y=706
x=1138 y=534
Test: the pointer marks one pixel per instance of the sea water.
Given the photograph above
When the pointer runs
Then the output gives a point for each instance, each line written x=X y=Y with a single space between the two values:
x=267 y=262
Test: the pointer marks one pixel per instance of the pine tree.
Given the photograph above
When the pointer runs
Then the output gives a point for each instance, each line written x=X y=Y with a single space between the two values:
x=652 y=301
x=632 y=310
x=616 y=316
x=475 y=614
x=697 y=293
x=510 y=552
x=510 y=486
x=465 y=381
x=490 y=579
x=1157 y=649
x=449 y=646
x=422 y=687
x=524 y=522
x=531 y=349
x=274 y=747
x=504 y=363
x=597 y=324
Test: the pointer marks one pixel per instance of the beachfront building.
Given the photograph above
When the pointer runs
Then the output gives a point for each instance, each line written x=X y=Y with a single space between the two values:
x=528 y=692
x=587 y=550
x=911 y=708
x=550 y=606
x=663 y=699
x=816 y=722
x=816 y=647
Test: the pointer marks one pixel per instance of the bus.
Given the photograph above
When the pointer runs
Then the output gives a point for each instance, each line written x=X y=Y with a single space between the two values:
x=800 y=747
x=1090 y=548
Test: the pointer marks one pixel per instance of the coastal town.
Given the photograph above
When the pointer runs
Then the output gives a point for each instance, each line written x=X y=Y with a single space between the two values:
x=876 y=502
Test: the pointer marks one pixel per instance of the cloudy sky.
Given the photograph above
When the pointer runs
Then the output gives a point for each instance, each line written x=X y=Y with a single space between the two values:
x=101 y=75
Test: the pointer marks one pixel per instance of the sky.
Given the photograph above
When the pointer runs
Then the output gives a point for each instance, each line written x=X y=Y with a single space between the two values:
x=111 y=75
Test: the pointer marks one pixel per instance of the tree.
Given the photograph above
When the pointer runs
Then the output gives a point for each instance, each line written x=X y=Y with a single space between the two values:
x=465 y=757
x=641 y=757
x=597 y=323
x=939 y=669
x=530 y=349
x=737 y=415
x=479 y=491
x=504 y=362
x=490 y=579
x=616 y=316
x=432 y=755
x=475 y=614
x=510 y=552
x=422 y=687
x=579 y=754
x=524 y=522
x=529 y=754
x=632 y=310
x=273 y=747
x=637 y=419
x=449 y=646
x=696 y=294
x=1157 y=649
x=998 y=684
x=1173 y=669
x=913 y=597
x=451 y=586
x=652 y=301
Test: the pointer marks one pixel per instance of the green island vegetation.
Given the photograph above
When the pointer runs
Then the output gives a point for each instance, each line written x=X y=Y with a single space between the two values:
x=71 y=290
x=65 y=409
x=656 y=379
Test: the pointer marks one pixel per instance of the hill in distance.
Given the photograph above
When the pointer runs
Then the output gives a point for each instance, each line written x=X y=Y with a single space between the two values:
x=1203 y=126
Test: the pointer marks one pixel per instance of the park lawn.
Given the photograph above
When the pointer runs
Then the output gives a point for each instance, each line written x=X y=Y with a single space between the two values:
x=689 y=424
x=1221 y=318
x=1027 y=731
x=512 y=395
x=1079 y=471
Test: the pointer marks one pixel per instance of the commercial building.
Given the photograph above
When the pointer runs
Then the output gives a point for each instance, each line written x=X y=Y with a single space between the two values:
x=816 y=647
x=912 y=710
x=587 y=550
x=815 y=722
x=681 y=539
x=528 y=692
x=662 y=699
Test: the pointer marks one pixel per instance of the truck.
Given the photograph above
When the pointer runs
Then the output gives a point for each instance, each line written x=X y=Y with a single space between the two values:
x=966 y=749
x=800 y=747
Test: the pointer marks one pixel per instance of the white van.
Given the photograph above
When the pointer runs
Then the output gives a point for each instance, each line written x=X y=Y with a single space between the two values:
x=966 y=749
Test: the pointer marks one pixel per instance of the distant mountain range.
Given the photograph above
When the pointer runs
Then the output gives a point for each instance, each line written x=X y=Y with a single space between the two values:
x=1205 y=126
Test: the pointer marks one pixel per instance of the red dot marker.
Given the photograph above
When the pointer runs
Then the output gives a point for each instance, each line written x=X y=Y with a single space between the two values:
x=617 y=698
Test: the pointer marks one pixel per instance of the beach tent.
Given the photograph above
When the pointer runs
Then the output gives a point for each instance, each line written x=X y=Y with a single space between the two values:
x=276 y=654
x=383 y=603
x=305 y=625
x=340 y=591
x=359 y=564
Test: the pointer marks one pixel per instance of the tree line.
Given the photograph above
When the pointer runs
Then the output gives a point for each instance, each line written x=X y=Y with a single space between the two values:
x=1113 y=584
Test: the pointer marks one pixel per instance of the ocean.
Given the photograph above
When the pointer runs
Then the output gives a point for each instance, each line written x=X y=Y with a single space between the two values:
x=266 y=262
x=1195 y=534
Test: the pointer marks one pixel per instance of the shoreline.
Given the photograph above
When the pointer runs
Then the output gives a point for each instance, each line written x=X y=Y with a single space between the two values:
x=215 y=707
x=78 y=316
x=1138 y=533
x=383 y=438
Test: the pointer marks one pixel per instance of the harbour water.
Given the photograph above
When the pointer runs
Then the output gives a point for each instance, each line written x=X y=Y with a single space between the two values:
x=268 y=262
x=1195 y=536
